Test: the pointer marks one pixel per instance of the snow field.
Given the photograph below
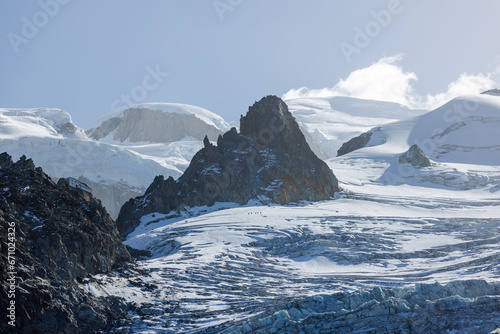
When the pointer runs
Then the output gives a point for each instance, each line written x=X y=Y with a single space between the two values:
x=218 y=268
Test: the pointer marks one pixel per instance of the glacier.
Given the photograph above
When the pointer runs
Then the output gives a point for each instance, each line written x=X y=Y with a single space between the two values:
x=233 y=268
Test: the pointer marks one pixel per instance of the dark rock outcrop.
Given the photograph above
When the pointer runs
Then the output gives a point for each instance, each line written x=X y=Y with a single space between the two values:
x=268 y=160
x=415 y=156
x=53 y=236
x=492 y=92
x=356 y=143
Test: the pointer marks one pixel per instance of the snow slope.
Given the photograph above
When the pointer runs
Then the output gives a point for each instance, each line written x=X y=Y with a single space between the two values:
x=38 y=122
x=333 y=121
x=400 y=249
x=465 y=130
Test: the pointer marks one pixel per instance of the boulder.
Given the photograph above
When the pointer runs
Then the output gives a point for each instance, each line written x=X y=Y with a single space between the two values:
x=415 y=156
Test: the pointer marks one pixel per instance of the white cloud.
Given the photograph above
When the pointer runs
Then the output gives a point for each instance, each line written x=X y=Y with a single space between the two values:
x=465 y=84
x=386 y=80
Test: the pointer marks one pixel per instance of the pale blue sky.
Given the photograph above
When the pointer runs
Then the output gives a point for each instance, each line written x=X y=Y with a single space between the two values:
x=86 y=55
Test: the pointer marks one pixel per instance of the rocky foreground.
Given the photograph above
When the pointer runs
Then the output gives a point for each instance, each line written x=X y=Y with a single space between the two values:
x=53 y=236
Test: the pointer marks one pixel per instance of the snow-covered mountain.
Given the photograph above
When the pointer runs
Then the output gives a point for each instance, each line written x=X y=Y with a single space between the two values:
x=168 y=133
x=462 y=138
x=157 y=123
x=115 y=170
x=329 y=122
x=464 y=130
x=404 y=248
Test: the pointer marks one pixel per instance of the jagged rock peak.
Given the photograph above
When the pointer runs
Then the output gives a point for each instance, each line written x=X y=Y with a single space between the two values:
x=270 y=124
x=5 y=160
x=206 y=143
x=23 y=163
x=270 y=112
x=269 y=160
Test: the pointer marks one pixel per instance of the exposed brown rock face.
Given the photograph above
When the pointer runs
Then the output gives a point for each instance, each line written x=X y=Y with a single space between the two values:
x=61 y=236
x=268 y=160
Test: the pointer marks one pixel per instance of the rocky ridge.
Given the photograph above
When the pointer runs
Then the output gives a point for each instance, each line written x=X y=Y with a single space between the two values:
x=494 y=91
x=356 y=143
x=268 y=160
x=59 y=236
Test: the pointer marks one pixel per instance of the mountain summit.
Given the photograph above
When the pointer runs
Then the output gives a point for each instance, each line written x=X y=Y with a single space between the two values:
x=157 y=123
x=269 y=160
